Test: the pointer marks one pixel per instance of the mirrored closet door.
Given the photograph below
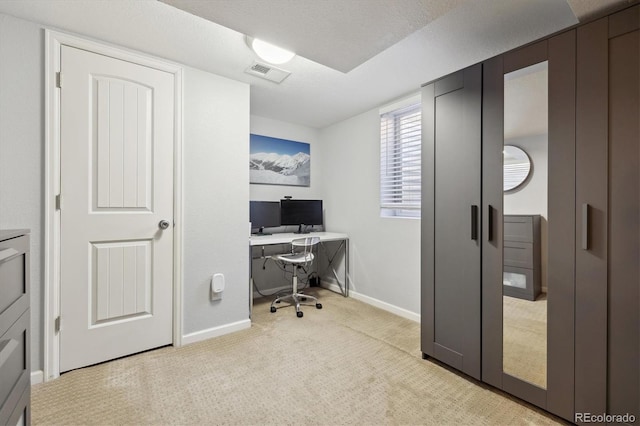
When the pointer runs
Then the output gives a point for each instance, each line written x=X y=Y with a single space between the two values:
x=524 y=224
x=528 y=201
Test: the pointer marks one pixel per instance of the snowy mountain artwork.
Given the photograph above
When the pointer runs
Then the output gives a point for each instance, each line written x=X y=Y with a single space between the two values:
x=274 y=161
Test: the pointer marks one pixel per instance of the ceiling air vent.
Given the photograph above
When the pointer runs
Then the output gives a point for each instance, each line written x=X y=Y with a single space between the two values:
x=268 y=72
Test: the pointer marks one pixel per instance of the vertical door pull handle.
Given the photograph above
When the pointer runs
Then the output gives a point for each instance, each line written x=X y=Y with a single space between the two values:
x=474 y=222
x=490 y=223
x=585 y=226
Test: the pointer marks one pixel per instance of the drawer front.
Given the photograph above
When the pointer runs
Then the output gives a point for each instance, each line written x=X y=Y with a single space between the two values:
x=518 y=282
x=21 y=415
x=518 y=254
x=14 y=293
x=14 y=371
x=518 y=228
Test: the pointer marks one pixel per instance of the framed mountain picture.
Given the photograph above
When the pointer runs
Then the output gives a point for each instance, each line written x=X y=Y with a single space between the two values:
x=274 y=161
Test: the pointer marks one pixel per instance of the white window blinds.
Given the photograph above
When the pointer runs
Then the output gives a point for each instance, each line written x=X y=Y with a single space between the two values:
x=400 y=162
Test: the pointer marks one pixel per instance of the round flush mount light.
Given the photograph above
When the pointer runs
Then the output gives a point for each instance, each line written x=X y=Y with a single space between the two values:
x=269 y=52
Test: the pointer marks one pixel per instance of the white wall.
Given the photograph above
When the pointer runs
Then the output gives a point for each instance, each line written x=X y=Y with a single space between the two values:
x=22 y=149
x=216 y=177
x=531 y=196
x=384 y=252
x=216 y=199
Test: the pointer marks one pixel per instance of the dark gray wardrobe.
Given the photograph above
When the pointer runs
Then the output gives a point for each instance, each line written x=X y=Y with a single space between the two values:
x=608 y=203
x=591 y=356
x=623 y=307
x=450 y=232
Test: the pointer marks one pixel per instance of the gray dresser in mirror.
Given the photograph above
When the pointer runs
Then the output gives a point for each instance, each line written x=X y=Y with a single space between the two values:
x=15 y=373
x=521 y=274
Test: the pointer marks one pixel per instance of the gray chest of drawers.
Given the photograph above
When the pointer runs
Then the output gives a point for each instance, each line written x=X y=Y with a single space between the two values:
x=521 y=272
x=15 y=386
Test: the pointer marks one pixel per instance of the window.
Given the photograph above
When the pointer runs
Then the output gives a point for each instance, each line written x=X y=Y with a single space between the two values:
x=400 y=162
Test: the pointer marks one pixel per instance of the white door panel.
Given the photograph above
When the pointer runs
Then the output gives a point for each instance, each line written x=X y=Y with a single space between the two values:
x=120 y=281
x=122 y=150
x=116 y=132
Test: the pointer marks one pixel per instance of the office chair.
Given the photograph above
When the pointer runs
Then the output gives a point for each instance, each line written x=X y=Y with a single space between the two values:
x=301 y=256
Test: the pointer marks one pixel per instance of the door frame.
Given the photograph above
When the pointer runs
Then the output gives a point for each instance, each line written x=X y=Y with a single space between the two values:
x=53 y=42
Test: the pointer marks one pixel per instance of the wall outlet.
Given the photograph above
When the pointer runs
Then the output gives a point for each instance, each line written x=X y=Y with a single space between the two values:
x=217 y=286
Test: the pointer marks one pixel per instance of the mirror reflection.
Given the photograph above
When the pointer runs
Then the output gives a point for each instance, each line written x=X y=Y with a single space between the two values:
x=525 y=224
x=516 y=167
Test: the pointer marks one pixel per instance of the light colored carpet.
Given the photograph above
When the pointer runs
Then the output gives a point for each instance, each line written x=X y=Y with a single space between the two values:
x=525 y=339
x=348 y=363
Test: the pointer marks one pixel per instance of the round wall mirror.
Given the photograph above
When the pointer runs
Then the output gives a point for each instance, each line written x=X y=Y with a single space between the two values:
x=516 y=167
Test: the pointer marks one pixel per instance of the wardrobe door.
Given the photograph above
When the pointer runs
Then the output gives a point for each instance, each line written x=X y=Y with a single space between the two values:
x=527 y=346
x=561 y=229
x=607 y=216
x=452 y=114
x=624 y=214
x=591 y=218
x=492 y=185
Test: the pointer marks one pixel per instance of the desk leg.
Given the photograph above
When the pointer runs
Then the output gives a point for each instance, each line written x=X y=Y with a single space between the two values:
x=346 y=268
x=250 y=281
x=345 y=247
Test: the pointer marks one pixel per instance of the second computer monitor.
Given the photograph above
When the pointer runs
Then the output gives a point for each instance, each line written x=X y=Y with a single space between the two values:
x=300 y=212
x=264 y=214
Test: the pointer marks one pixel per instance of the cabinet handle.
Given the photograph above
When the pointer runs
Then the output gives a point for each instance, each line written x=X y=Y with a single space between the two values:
x=490 y=223
x=7 y=254
x=6 y=348
x=585 y=226
x=474 y=222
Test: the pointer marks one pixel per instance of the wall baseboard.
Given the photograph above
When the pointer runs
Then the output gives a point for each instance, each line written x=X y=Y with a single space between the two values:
x=272 y=291
x=333 y=286
x=210 y=333
x=37 y=377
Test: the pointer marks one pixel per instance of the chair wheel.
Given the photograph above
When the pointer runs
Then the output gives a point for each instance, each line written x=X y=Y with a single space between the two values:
x=273 y=309
x=318 y=305
x=299 y=314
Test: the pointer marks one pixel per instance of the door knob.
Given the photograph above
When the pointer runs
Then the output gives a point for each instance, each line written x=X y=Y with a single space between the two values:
x=164 y=224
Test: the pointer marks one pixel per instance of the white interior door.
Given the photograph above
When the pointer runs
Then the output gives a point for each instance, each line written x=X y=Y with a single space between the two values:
x=116 y=170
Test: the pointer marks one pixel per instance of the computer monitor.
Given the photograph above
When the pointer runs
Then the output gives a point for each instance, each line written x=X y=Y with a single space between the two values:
x=264 y=214
x=300 y=212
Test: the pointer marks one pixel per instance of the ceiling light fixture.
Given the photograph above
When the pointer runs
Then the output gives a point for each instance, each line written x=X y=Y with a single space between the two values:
x=269 y=52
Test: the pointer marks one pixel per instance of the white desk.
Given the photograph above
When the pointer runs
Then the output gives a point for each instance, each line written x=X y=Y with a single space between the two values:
x=286 y=238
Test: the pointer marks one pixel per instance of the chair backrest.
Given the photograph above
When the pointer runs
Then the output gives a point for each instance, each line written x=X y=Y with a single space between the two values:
x=305 y=242
x=305 y=246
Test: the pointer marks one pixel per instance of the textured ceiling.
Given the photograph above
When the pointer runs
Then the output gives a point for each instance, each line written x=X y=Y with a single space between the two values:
x=337 y=33
x=315 y=95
